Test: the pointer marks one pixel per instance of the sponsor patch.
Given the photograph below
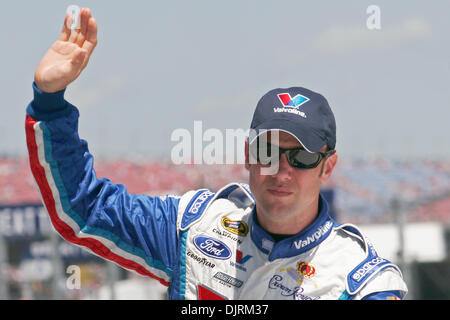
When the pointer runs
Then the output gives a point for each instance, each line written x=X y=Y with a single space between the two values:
x=212 y=247
x=314 y=237
x=200 y=260
x=240 y=258
x=228 y=280
x=236 y=227
x=227 y=235
x=305 y=269
x=297 y=293
x=367 y=268
x=195 y=207
x=294 y=102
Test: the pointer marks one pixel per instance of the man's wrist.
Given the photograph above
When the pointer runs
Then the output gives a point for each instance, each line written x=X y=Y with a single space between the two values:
x=47 y=105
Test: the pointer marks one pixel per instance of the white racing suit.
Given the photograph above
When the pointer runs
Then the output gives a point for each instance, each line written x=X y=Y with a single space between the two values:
x=202 y=245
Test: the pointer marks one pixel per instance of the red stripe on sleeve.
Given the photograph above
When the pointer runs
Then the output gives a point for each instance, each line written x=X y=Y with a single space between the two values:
x=63 y=228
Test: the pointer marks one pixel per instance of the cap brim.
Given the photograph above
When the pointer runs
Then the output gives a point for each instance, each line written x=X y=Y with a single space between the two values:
x=307 y=137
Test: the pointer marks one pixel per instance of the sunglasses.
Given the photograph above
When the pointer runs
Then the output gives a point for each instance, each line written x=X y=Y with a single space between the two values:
x=266 y=154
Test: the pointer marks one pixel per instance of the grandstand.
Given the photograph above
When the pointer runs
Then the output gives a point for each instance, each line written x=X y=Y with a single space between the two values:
x=364 y=189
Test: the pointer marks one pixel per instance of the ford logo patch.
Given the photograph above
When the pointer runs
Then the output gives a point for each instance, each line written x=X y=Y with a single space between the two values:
x=212 y=247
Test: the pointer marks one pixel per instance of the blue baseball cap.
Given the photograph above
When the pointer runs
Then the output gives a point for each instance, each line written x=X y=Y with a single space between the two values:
x=303 y=113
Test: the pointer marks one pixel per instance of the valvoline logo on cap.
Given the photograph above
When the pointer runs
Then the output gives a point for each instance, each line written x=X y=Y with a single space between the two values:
x=295 y=102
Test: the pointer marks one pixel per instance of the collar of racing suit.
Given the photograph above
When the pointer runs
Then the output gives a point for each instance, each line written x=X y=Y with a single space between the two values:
x=303 y=241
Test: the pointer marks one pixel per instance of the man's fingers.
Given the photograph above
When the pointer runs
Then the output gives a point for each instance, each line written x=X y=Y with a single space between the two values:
x=76 y=35
x=73 y=34
x=91 y=36
x=86 y=36
x=65 y=32
x=85 y=15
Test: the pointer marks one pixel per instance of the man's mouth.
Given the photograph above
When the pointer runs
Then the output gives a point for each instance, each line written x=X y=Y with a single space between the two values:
x=279 y=192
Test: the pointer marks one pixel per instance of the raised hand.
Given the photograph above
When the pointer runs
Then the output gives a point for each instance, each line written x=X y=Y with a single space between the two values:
x=69 y=55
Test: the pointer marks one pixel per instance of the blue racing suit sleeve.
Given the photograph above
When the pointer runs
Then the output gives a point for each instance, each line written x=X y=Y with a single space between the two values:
x=384 y=295
x=137 y=232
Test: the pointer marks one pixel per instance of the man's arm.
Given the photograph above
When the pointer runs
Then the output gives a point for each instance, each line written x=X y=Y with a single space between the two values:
x=135 y=231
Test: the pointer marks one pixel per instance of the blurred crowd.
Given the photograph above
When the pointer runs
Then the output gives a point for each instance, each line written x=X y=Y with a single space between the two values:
x=364 y=189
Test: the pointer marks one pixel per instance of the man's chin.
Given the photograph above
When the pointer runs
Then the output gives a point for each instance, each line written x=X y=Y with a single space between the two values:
x=278 y=205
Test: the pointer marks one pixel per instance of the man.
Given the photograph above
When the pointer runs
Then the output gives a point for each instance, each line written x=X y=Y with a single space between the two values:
x=275 y=242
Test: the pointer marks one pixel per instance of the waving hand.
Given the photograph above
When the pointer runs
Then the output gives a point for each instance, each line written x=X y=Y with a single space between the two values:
x=69 y=55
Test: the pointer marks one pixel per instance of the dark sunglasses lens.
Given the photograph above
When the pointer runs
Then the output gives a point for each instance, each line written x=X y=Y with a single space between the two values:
x=300 y=158
x=266 y=153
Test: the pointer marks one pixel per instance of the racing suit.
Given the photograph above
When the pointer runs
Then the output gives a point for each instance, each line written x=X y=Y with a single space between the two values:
x=202 y=245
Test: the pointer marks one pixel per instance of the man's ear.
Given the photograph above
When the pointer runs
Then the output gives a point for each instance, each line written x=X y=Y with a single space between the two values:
x=328 y=168
x=247 y=162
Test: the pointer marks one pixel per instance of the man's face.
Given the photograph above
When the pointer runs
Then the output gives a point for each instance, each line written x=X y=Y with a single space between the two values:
x=285 y=196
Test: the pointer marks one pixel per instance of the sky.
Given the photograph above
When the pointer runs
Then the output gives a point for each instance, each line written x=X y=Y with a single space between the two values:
x=161 y=65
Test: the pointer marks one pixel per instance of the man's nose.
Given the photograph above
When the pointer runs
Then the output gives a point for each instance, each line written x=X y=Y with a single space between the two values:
x=284 y=169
